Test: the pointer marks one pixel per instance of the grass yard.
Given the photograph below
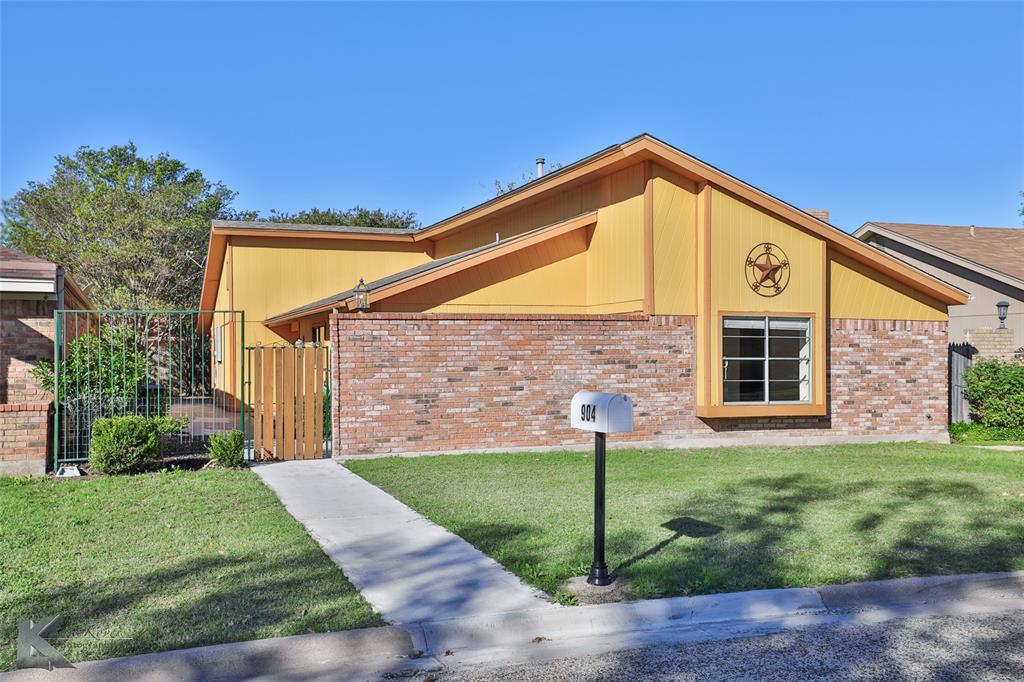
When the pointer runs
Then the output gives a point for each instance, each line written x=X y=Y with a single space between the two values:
x=700 y=521
x=146 y=563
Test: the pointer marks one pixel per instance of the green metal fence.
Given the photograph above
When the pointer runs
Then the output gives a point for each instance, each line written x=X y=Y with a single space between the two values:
x=186 y=364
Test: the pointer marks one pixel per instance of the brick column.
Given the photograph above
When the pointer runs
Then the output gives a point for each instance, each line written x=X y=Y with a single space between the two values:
x=992 y=343
x=24 y=438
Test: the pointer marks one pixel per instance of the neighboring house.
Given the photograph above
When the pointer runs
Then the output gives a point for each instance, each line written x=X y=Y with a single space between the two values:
x=726 y=314
x=986 y=262
x=30 y=290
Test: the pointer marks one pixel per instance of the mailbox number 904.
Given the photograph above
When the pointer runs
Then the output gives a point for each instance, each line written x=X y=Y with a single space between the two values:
x=588 y=413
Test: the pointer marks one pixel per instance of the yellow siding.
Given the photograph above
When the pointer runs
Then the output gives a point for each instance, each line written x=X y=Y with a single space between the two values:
x=615 y=260
x=675 y=263
x=857 y=291
x=550 y=277
x=567 y=204
x=273 y=275
x=613 y=270
x=736 y=228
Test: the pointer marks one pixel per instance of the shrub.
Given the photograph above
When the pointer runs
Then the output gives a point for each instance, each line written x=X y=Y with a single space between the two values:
x=995 y=392
x=124 y=445
x=977 y=433
x=228 y=449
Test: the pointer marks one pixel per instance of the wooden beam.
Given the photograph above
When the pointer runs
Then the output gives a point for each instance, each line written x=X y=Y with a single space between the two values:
x=648 y=238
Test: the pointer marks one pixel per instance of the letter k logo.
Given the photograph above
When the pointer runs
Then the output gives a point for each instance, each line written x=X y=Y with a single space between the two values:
x=33 y=650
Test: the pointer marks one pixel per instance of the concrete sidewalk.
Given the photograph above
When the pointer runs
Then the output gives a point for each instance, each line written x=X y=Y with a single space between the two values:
x=408 y=568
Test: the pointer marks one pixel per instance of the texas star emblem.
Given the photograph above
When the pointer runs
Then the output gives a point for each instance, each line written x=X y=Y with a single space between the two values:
x=767 y=269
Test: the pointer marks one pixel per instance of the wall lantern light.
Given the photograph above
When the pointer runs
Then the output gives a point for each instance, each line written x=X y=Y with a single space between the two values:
x=1001 y=308
x=362 y=296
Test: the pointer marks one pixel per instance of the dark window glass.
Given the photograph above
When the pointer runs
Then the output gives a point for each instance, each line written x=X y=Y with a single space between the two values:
x=743 y=347
x=744 y=370
x=784 y=369
x=783 y=390
x=744 y=391
x=786 y=347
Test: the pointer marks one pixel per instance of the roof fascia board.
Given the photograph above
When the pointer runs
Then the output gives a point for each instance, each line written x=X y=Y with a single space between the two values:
x=865 y=231
x=313 y=234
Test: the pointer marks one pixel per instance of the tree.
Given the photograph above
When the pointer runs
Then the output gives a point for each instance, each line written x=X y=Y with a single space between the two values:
x=524 y=177
x=357 y=216
x=133 y=230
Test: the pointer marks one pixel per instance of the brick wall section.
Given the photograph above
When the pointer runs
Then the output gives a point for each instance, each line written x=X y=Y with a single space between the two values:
x=24 y=438
x=992 y=343
x=26 y=336
x=421 y=383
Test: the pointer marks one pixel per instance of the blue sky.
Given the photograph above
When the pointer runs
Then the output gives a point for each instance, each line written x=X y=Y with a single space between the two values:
x=877 y=111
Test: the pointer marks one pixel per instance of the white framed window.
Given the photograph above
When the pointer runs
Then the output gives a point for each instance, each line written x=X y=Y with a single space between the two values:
x=766 y=360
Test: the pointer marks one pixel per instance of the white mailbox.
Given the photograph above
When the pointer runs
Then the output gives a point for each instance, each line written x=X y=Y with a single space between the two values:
x=601 y=412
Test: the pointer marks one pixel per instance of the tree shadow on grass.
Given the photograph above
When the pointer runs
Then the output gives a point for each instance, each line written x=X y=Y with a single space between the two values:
x=197 y=602
x=800 y=529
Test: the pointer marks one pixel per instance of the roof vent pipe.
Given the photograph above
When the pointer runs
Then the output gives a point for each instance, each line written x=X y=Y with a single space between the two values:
x=540 y=166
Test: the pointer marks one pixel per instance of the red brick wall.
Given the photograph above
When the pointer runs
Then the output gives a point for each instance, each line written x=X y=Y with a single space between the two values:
x=420 y=383
x=26 y=336
x=24 y=438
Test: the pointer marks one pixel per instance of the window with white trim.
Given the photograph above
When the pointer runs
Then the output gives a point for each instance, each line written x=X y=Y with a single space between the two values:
x=766 y=360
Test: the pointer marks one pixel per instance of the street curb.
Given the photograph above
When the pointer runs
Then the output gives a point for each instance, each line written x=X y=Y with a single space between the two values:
x=422 y=646
x=375 y=648
x=523 y=627
x=912 y=591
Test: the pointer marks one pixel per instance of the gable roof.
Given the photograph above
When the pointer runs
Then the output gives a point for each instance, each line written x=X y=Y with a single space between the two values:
x=643 y=147
x=421 y=274
x=17 y=264
x=999 y=249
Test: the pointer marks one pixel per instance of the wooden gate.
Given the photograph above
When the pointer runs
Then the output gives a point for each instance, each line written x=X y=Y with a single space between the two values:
x=288 y=401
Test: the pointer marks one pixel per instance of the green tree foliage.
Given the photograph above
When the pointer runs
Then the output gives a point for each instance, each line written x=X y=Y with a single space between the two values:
x=357 y=216
x=133 y=230
x=995 y=392
x=106 y=368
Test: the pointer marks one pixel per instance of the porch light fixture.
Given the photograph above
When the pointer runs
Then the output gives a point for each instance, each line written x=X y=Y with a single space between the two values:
x=1001 y=308
x=362 y=296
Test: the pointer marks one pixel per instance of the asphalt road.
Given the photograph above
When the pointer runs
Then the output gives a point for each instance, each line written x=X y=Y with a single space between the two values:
x=989 y=647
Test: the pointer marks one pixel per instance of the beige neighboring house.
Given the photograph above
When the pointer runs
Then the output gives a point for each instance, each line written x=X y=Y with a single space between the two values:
x=987 y=262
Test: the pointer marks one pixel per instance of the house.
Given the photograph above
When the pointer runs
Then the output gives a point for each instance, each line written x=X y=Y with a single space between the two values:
x=986 y=262
x=30 y=290
x=728 y=315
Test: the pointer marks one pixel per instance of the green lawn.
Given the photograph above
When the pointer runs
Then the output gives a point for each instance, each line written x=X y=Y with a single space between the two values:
x=698 y=521
x=162 y=561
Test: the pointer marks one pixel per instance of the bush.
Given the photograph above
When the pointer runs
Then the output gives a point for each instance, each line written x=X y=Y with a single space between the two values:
x=995 y=392
x=978 y=433
x=124 y=445
x=228 y=449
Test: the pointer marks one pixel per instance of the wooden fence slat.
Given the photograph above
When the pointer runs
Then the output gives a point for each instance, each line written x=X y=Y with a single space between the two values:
x=318 y=417
x=257 y=403
x=268 y=402
x=279 y=402
x=289 y=404
x=300 y=440
x=310 y=411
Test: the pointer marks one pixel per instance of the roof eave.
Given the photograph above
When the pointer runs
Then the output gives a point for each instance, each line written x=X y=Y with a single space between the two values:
x=865 y=231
